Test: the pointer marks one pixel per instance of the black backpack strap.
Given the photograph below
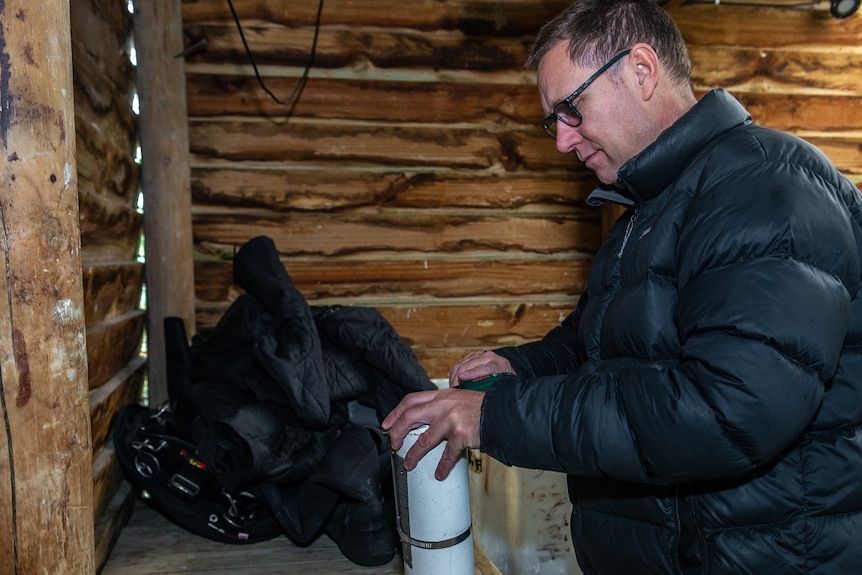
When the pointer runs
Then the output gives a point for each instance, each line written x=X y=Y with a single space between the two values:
x=178 y=369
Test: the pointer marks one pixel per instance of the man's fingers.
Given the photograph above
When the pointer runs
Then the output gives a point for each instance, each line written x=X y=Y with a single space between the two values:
x=447 y=461
x=452 y=415
x=396 y=413
x=477 y=365
x=427 y=440
x=406 y=416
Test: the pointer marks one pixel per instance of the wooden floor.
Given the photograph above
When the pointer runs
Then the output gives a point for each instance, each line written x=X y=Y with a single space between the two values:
x=151 y=545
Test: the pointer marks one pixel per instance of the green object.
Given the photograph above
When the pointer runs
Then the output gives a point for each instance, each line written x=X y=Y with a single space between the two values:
x=483 y=383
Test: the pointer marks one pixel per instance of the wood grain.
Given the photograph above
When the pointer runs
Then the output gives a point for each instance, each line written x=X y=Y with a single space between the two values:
x=152 y=545
x=112 y=343
x=412 y=174
x=46 y=497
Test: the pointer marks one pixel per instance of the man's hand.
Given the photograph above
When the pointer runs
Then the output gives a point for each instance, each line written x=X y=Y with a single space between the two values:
x=453 y=415
x=478 y=364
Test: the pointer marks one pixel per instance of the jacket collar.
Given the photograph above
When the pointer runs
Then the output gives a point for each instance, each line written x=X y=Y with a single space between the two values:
x=651 y=171
x=605 y=194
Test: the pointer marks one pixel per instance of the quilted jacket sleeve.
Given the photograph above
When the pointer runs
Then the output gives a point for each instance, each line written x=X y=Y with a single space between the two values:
x=556 y=353
x=715 y=338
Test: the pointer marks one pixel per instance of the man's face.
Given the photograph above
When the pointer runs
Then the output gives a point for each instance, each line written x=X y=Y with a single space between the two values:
x=608 y=134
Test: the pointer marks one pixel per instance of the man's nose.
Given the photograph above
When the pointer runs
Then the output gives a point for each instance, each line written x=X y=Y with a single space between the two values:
x=567 y=138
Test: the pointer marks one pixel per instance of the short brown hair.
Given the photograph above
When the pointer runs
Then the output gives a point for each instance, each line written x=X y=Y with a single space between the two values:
x=598 y=29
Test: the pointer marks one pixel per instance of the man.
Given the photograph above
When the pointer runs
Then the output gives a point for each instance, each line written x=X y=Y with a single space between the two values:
x=705 y=398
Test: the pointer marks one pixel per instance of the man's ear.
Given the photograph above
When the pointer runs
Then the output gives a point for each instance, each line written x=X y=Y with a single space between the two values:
x=645 y=64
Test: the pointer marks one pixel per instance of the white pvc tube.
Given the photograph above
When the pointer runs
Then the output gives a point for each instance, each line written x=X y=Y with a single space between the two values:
x=433 y=517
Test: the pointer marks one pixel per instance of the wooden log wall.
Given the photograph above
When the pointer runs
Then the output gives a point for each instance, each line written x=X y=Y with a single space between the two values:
x=795 y=70
x=412 y=174
x=106 y=126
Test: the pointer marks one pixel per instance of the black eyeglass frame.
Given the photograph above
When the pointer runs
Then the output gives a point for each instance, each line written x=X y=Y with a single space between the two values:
x=549 y=123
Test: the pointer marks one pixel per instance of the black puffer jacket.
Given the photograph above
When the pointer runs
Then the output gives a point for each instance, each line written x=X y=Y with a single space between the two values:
x=709 y=414
x=289 y=397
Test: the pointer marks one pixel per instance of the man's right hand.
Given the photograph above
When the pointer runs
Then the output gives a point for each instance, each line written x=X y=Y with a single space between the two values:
x=476 y=365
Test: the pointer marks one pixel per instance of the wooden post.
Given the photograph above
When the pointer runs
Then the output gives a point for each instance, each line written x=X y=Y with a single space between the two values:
x=165 y=178
x=46 y=481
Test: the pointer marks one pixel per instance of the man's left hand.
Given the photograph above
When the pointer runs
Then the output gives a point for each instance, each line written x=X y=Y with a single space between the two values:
x=453 y=415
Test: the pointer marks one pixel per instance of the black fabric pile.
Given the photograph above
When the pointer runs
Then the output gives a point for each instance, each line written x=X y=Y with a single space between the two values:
x=289 y=397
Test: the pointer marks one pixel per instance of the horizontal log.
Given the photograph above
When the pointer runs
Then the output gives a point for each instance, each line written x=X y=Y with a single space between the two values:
x=778 y=4
x=454 y=147
x=784 y=70
x=722 y=25
x=442 y=334
x=362 y=145
x=841 y=147
x=356 y=47
x=476 y=324
x=388 y=145
x=112 y=344
x=844 y=152
x=798 y=112
x=483 y=17
x=110 y=523
x=103 y=167
x=497 y=106
x=101 y=103
x=502 y=108
x=122 y=388
x=316 y=189
x=111 y=289
x=104 y=251
x=107 y=478
x=438 y=362
x=412 y=147
x=457 y=324
x=110 y=23
x=537 y=152
x=405 y=233
x=509 y=149
x=511 y=101
x=727 y=23
x=512 y=96
x=339 y=279
x=109 y=231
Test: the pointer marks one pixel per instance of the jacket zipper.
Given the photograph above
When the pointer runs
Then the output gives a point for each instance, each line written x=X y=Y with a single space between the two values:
x=628 y=233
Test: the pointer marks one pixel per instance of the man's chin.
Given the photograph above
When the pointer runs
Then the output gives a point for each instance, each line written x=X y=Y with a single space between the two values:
x=608 y=179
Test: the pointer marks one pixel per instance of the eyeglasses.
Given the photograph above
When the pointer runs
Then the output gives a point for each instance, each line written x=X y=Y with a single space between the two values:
x=565 y=111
